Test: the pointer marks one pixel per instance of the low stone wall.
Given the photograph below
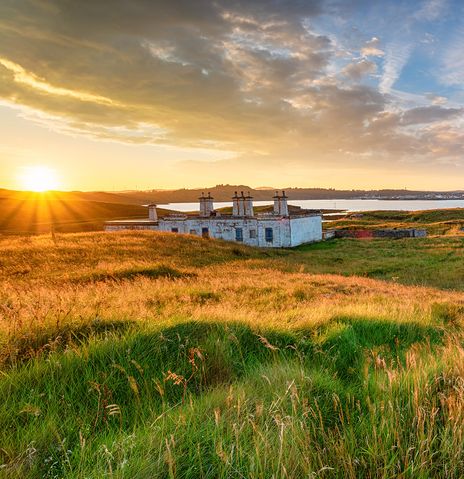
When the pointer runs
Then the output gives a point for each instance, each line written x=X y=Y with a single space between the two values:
x=354 y=233
x=384 y=233
x=403 y=233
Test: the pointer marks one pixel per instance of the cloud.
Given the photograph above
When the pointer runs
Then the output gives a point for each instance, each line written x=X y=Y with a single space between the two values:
x=431 y=10
x=20 y=75
x=371 y=48
x=357 y=70
x=436 y=99
x=397 y=55
x=429 y=114
x=452 y=63
x=255 y=78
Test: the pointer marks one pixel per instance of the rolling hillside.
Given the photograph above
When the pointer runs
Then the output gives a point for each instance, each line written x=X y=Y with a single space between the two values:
x=35 y=213
x=148 y=355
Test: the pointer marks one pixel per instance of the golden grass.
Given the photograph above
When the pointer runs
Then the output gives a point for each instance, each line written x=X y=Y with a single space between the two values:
x=45 y=286
x=154 y=355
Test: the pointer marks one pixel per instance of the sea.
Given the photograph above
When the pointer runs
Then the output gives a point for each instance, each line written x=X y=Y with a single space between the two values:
x=345 y=205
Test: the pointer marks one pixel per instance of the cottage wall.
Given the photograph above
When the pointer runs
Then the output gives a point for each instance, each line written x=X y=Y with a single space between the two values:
x=286 y=232
x=280 y=232
x=305 y=230
x=253 y=229
x=218 y=228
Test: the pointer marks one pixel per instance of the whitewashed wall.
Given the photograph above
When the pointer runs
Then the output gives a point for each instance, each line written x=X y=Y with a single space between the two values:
x=305 y=229
x=281 y=232
x=218 y=228
x=287 y=231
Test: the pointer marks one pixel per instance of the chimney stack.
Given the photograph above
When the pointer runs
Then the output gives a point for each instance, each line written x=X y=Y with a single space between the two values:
x=235 y=205
x=152 y=213
x=241 y=205
x=276 y=203
x=248 y=205
x=209 y=204
x=280 y=204
x=206 y=205
x=202 y=205
x=283 y=204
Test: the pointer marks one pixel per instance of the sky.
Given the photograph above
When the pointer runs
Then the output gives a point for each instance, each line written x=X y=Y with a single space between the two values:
x=161 y=94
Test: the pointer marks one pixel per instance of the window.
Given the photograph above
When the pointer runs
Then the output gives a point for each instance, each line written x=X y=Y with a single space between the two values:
x=205 y=232
x=252 y=234
x=269 y=235
x=193 y=232
x=238 y=234
x=175 y=230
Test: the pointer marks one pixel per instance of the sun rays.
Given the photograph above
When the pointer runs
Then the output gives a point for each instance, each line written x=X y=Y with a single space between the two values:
x=41 y=212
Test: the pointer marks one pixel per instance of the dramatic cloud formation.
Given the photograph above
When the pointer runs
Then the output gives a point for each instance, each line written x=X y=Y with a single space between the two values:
x=261 y=79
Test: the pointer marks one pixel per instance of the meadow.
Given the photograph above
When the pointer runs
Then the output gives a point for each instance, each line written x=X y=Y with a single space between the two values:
x=149 y=355
x=437 y=222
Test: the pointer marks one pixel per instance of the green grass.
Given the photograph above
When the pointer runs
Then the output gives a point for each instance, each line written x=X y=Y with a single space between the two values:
x=141 y=355
x=436 y=222
x=201 y=400
x=435 y=261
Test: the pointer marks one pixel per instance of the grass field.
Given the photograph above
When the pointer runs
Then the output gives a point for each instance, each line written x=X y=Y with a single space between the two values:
x=145 y=355
x=436 y=222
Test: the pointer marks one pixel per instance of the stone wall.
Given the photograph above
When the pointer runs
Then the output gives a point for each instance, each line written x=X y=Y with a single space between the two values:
x=383 y=233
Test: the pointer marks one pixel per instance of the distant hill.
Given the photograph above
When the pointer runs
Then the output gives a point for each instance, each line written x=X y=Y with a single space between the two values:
x=96 y=196
x=34 y=213
x=222 y=193
x=225 y=193
x=73 y=211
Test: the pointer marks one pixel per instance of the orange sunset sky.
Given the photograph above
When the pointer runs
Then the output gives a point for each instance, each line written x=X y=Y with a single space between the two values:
x=159 y=94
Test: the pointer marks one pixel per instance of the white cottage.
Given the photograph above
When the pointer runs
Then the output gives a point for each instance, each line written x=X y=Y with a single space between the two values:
x=279 y=228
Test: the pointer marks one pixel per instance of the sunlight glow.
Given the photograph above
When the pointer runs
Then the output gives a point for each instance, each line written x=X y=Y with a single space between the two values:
x=39 y=179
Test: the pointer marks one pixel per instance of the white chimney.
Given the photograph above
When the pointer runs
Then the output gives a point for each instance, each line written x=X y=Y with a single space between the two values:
x=276 y=203
x=241 y=205
x=283 y=204
x=209 y=206
x=235 y=205
x=203 y=205
x=152 y=213
x=248 y=203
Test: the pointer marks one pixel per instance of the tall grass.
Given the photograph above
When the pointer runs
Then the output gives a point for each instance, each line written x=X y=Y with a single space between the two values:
x=150 y=355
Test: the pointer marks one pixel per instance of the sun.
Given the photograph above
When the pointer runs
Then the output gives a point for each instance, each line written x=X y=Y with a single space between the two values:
x=39 y=178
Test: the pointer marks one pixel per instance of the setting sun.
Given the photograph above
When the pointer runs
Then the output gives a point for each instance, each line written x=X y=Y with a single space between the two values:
x=39 y=179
